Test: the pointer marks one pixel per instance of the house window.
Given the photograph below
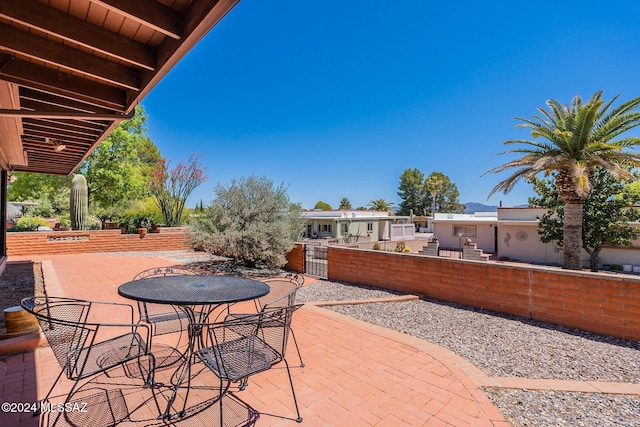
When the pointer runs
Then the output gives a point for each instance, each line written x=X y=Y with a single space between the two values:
x=344 y=228
x=369 y=226
x=464 y=230
x=324 y=228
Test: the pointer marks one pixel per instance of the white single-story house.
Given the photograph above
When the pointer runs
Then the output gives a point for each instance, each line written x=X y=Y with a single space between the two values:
x=518 y=239
x=350 y=226
x=512 y=233
x=452 y=230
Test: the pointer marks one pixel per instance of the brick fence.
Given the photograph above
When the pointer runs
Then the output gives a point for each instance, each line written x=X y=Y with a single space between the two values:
x=605 y=303
x=71 y=242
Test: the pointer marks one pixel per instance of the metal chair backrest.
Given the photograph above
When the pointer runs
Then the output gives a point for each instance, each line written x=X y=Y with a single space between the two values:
x=283 y=291
x=236 y=349
x=151 y=313
x=63 y=321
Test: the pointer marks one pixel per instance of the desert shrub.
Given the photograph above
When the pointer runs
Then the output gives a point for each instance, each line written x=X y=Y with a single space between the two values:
x=400 y=247
x=131 y=221
x=251 y=221
x=65 y=220
x=94 y=223
x=376 y=247
x=29 y=223
x=44 y=209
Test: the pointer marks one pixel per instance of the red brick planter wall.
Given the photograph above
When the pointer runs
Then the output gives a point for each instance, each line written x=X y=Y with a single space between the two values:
x=71 y=242
x=295 y=259
x=599 y=302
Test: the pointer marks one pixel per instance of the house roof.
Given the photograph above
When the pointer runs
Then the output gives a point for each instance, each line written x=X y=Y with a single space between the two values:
x=71 y=70
x=352 y=215
x=466 y=218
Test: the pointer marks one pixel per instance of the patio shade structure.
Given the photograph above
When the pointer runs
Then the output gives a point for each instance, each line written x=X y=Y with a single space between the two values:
x=71 y=70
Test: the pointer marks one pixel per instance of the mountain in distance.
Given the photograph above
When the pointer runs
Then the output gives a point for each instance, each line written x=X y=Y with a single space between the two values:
x=479 y=207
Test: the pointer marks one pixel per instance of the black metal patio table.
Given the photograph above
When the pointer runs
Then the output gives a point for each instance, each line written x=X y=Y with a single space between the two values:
x=188 y=292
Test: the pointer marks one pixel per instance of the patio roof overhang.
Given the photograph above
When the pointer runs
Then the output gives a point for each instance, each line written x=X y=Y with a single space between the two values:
x=71 y=70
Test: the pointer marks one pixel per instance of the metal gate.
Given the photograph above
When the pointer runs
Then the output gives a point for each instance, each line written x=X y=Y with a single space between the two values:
x=315 y=260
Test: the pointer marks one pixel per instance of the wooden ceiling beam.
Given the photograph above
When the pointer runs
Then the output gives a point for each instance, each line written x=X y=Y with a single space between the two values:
x=37 y=15
x=40 y=101
x=42 y=165
x=19 y=42
x=62 y=84
x=60 y=127
x=97 y=128
x=58 y=136
x=149 y=13
x=35 y=153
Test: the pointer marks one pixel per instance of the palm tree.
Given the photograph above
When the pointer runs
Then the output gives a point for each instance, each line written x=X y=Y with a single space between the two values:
x=434 y=185
x=576 y=140
x=380 y=205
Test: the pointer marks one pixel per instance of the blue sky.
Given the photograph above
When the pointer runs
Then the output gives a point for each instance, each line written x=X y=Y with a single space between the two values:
x=337 y=98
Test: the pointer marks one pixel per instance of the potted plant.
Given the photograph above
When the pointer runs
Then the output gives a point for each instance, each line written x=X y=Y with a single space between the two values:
x=144 y=224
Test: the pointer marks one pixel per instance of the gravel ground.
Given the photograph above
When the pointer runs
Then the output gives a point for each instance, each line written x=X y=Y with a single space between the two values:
x=19 y=280
x=511 y=347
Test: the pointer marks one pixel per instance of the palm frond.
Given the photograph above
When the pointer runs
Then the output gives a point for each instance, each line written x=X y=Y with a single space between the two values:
x=617 y=125
x=507 y=185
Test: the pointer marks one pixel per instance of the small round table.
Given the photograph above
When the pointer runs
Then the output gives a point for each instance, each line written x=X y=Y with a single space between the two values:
x=187 y=292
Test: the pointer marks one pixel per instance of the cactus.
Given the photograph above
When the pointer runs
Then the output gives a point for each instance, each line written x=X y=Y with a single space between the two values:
x=79 y=203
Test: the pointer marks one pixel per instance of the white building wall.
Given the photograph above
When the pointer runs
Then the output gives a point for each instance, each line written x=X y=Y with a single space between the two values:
x=522 y=242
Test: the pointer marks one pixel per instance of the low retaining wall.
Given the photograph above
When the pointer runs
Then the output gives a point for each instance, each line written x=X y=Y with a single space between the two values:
x=598 y=302
x=295 y=259
x=72 y=242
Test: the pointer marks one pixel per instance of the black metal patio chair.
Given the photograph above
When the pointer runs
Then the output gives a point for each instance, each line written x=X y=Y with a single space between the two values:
x=236 y=349
x=84 y=349
x=282 y=294
x=163 y=318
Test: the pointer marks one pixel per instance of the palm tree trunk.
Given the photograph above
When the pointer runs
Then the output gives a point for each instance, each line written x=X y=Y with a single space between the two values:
x=572 y=236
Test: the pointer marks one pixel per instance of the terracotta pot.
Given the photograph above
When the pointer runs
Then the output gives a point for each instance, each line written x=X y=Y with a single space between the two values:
x=142 y=231
x=17 y=320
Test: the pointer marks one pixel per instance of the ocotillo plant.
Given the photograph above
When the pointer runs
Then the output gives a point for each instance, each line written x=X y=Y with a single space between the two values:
x=79 y=203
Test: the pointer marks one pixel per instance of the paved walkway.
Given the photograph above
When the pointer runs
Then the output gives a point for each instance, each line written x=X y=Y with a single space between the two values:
x=356 y=373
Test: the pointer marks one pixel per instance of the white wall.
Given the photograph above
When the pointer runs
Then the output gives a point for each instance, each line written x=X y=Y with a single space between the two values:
x=484 y=235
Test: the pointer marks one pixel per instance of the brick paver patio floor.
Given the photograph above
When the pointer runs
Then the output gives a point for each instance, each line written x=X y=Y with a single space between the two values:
x=355 y=374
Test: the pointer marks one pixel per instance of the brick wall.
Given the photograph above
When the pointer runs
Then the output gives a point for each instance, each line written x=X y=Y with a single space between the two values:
x=295 y=259
x=599 y=302
x=70 y=242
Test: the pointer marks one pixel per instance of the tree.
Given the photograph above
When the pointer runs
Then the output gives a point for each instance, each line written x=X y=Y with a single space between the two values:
x=606 y=214
x=442 y=194
x=40 y=187
x=171 y=188
x=575 y=140
x=411 y=191
x=323 y=206
x=115 y=172
x=381 y=205
x=345 y=204
x=251 y=221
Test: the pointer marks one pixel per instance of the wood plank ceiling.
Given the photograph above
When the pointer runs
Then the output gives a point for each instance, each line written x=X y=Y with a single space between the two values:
x=71 y=70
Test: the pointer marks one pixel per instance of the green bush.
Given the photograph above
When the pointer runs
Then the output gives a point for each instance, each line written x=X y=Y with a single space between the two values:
x=29 y=223
x=44 y=209
x=400 y=247
x=133 y=220
x=94 y=223
x=376 y=247
x=251 y=221
x=65 y=220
